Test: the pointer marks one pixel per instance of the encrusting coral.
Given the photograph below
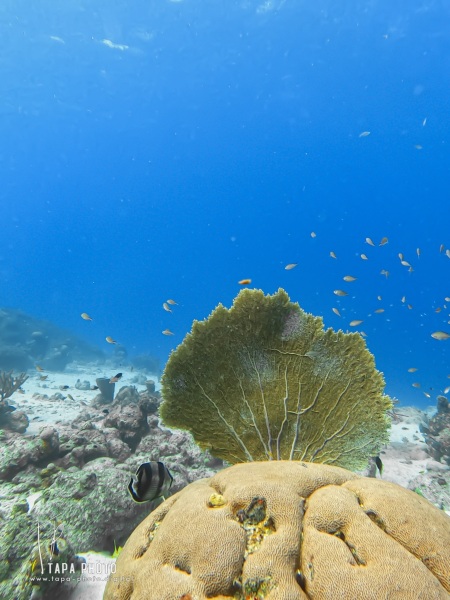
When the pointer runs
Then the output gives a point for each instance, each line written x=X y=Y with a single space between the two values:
x=287 y=530
x=264 y=381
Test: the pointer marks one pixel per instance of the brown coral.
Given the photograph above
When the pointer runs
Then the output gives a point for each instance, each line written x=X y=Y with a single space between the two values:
x=287 y=530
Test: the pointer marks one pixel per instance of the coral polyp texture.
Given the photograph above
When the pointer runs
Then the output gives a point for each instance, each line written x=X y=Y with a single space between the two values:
x=287 y=530
x=263 y=380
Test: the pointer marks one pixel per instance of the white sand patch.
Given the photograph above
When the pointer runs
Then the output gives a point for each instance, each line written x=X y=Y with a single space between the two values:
x=68 y=403
x=407 y=454
x=93 y=580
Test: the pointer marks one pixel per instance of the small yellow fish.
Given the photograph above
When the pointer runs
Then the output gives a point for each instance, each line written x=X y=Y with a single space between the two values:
x=313 y=234
x=440 y=335
x=412 y=370
x=405 y=263
x=364 y=257
x=336 y=312
x=438 y=309
x=349 y=278
x=355 y=323
x=333 y=255
x=369 y=241
x=71 y=397
x=110 y=340
x=379 y=311
x=418 y=252
x=400 y=255
x=383 y=241
x=244 y=281
x=167 y=332
x=43 y=377
x=416 y=385
x=166 y=307
x=86 y=317
x=340 y=293
x=384 y=272
x=290 y=266
x=441 y=248
x=364 y=134
x=39 y=368
x=172 y=302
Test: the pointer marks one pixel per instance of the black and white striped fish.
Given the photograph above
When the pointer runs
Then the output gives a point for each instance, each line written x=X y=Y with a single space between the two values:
x=153 y=480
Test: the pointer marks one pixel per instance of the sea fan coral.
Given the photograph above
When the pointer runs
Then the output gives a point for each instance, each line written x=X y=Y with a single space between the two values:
x=264 y=381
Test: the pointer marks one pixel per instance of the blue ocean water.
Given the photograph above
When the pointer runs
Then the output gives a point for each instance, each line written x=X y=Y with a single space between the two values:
x=162 y=149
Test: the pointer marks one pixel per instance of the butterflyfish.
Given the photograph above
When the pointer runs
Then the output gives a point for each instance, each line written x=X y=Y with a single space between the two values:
x=153 y=480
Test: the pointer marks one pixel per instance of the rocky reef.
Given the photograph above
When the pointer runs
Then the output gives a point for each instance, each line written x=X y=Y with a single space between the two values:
x=437 y=432
x=74 y=477
x=25 y=340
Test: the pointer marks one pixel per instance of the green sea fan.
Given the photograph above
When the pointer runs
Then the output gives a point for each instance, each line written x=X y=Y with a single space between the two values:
x=263 y=380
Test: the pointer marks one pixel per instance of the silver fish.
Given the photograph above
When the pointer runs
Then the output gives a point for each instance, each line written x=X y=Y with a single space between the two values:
x=153 y=480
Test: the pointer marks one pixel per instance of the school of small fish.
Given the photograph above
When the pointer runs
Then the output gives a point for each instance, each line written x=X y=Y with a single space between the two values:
x=439 y=335
x=408 y=264
x=166 y=306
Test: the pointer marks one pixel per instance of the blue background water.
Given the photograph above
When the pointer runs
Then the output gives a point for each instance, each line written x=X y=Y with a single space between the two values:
x=153 y=150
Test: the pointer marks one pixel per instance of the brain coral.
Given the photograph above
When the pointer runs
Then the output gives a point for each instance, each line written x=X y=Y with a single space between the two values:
x=263 y=380
x=287 y=530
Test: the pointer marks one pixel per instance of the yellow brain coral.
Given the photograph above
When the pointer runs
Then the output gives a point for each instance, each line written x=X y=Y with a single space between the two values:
x=263 y=381
x=287 y=530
